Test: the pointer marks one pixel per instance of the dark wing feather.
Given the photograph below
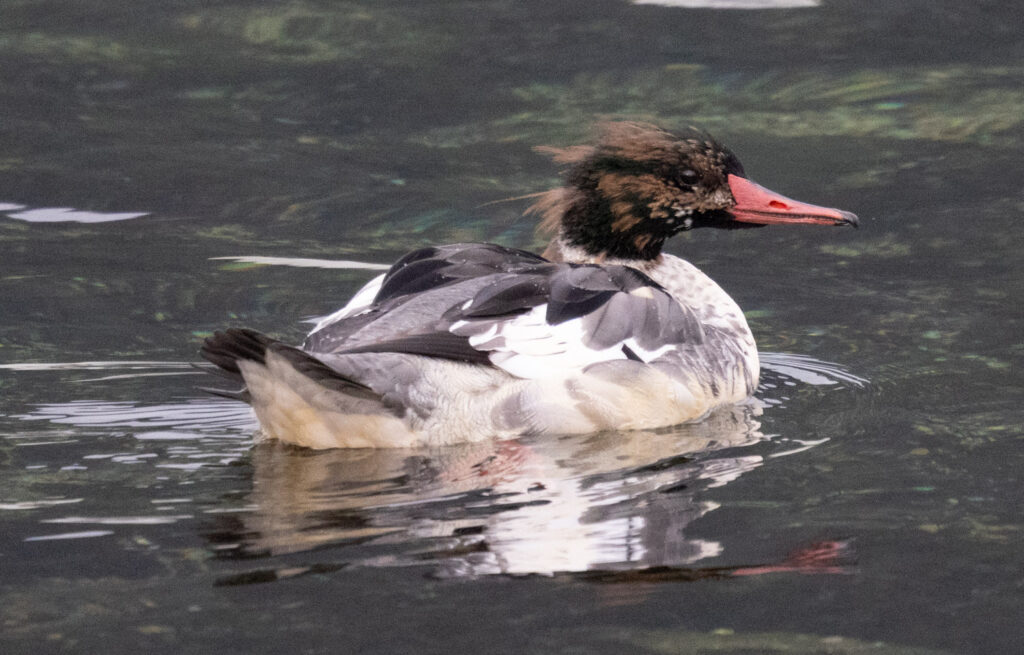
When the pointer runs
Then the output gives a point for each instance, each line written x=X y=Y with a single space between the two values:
x=444 y=345
x=592 y=314
x=506 y=295
x=579 y=290
x=487 y=304
x=429 y=268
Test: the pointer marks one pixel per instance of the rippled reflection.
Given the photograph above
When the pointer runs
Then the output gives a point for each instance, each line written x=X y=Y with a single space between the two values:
x=182 y=420
x=611 y=503
x=616 y=500
x=606 y=502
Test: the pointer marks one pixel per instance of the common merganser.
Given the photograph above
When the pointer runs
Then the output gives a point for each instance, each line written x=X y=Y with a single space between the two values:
x=475 y=341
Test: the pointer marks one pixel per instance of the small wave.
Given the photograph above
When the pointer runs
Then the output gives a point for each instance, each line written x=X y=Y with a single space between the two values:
x=777 y=367
x=86 y=534
x=731 y=4
x=65 y=214
x=185 y=418
x=303 y=262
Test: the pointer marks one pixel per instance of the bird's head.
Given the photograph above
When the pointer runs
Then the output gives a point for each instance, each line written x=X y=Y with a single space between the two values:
x=640 y=184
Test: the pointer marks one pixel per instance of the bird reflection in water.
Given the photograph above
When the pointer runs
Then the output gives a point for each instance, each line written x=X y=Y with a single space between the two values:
x=608 y=506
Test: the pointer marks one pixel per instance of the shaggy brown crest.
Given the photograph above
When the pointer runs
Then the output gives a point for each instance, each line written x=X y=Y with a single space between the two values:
x=624 y=196
x=627 y=139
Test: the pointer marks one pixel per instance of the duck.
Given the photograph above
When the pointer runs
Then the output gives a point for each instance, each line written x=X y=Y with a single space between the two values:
x=603 y=331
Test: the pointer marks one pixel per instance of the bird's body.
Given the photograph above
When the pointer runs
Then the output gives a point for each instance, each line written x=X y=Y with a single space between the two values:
x=474 y=341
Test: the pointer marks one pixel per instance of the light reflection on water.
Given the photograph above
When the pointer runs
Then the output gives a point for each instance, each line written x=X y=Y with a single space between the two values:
x=610 y=502
x=64 y=214
x=186 y=420
x=544 y=505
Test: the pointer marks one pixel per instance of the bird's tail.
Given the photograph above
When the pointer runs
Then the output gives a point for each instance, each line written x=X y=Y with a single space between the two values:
x=226 y=349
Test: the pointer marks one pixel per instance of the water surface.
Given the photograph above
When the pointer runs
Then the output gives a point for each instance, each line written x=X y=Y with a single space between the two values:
x=173 y=168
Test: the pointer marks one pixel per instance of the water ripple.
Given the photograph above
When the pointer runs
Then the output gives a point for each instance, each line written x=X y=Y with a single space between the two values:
x=607 y=502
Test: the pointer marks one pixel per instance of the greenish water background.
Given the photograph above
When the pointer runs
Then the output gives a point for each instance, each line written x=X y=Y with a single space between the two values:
x=360 y=130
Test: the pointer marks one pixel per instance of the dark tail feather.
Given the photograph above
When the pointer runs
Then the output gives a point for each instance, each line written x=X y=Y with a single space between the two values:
x=242 y=394
x=214 y=370
x=225 y=349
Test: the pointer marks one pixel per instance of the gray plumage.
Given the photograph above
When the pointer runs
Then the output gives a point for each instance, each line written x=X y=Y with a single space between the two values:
x=475 y=341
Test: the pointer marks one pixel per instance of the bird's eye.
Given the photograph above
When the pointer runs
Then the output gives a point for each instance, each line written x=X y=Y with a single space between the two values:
x=689 y=176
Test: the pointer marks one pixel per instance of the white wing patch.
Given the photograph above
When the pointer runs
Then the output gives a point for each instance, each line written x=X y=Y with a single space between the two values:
x=357 y=305
x=541 y=320
x=528 y=347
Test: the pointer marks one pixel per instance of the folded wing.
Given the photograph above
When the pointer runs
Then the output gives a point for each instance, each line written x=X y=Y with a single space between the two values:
x=511 y=309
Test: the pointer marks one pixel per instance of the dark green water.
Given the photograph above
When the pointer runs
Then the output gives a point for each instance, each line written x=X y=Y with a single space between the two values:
x=136 y=516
